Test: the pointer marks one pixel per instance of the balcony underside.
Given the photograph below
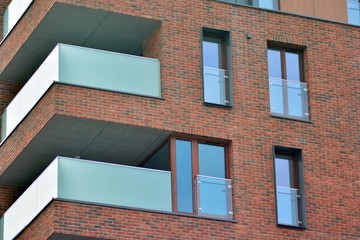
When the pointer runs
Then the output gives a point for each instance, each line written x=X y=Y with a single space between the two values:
x=82 y=27
x=89 y=139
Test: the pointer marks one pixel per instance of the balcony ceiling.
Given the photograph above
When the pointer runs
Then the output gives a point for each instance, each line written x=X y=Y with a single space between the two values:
x=65 y=23
x=90 y=139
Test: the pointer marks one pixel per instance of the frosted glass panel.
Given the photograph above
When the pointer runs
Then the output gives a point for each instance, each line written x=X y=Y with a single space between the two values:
x=6 y=22
x=3 y=125
x=114 y=184
x=110 y=71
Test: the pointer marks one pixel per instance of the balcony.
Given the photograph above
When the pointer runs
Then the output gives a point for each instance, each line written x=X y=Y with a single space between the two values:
x=91 y=182
x=214 y=197
x=353 y=12
x=86 y=68
x=13 y=13
x=288 y=99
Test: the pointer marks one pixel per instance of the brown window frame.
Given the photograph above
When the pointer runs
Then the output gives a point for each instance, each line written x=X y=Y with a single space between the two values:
x=195 y=168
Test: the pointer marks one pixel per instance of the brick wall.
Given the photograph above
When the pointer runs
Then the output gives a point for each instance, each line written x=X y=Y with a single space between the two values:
x=8 y=195
x=329 y=143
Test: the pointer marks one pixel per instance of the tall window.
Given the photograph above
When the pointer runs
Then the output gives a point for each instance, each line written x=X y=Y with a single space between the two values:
x=353 y=11
x=216 y=80
x=290 y=204
x=288 y=91
x=200 y=179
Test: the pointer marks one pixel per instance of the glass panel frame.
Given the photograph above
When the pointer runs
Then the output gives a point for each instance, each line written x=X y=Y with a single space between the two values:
x=214 y=197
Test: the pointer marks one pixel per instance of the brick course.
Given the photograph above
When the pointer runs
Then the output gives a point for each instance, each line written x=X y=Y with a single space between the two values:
x=330 y=142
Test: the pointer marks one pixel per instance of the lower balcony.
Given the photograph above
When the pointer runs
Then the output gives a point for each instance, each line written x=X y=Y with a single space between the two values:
x=113 y=185
x=84 y=67
x=91 y=182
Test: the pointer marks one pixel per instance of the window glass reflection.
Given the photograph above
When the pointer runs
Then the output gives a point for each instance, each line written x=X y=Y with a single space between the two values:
x=292 y=66
x=184 y=176
x=274 y=63
x=212 y=160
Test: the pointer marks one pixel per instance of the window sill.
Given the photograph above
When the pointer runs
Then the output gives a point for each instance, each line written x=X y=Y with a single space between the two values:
x=289 y=118
x=208 y=104
x=290 y=226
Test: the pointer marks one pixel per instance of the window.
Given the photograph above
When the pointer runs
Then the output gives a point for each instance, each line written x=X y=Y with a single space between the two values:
x=288 y=91
x=216 y=77
x=354 y=11
x=268 y=4
x=289 y=187
x=200 y=181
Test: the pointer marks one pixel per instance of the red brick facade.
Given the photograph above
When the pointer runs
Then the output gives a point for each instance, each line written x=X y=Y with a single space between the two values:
x=329 y=142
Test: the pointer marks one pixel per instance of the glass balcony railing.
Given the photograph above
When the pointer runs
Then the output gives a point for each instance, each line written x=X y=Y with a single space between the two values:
x=214 y=197
x=13 y=13
x=215 y=84
x=287 y=206
x=353 y=12
x=92 y=182
x=288 y=99
x=88 y=68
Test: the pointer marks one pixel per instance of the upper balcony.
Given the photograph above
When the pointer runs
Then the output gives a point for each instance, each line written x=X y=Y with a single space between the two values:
x=87 y=68
x=91 y=182
x=13 y=13
x=68 y=24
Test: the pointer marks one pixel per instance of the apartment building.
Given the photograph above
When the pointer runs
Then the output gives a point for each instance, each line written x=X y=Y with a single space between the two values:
x=202 y=119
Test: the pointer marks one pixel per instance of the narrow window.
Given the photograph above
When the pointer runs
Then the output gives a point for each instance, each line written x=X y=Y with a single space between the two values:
x=353 y=11
x=216 y=80
x=290 y=205
x=288 y=91
x=184 y=176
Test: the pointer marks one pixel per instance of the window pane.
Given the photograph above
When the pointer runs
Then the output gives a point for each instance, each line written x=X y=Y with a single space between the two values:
x=211 y=53
x=274 y=63
x=269 y=4
x=282 y=172
x=184 y=176
x=292 y=66
x=212 y=160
